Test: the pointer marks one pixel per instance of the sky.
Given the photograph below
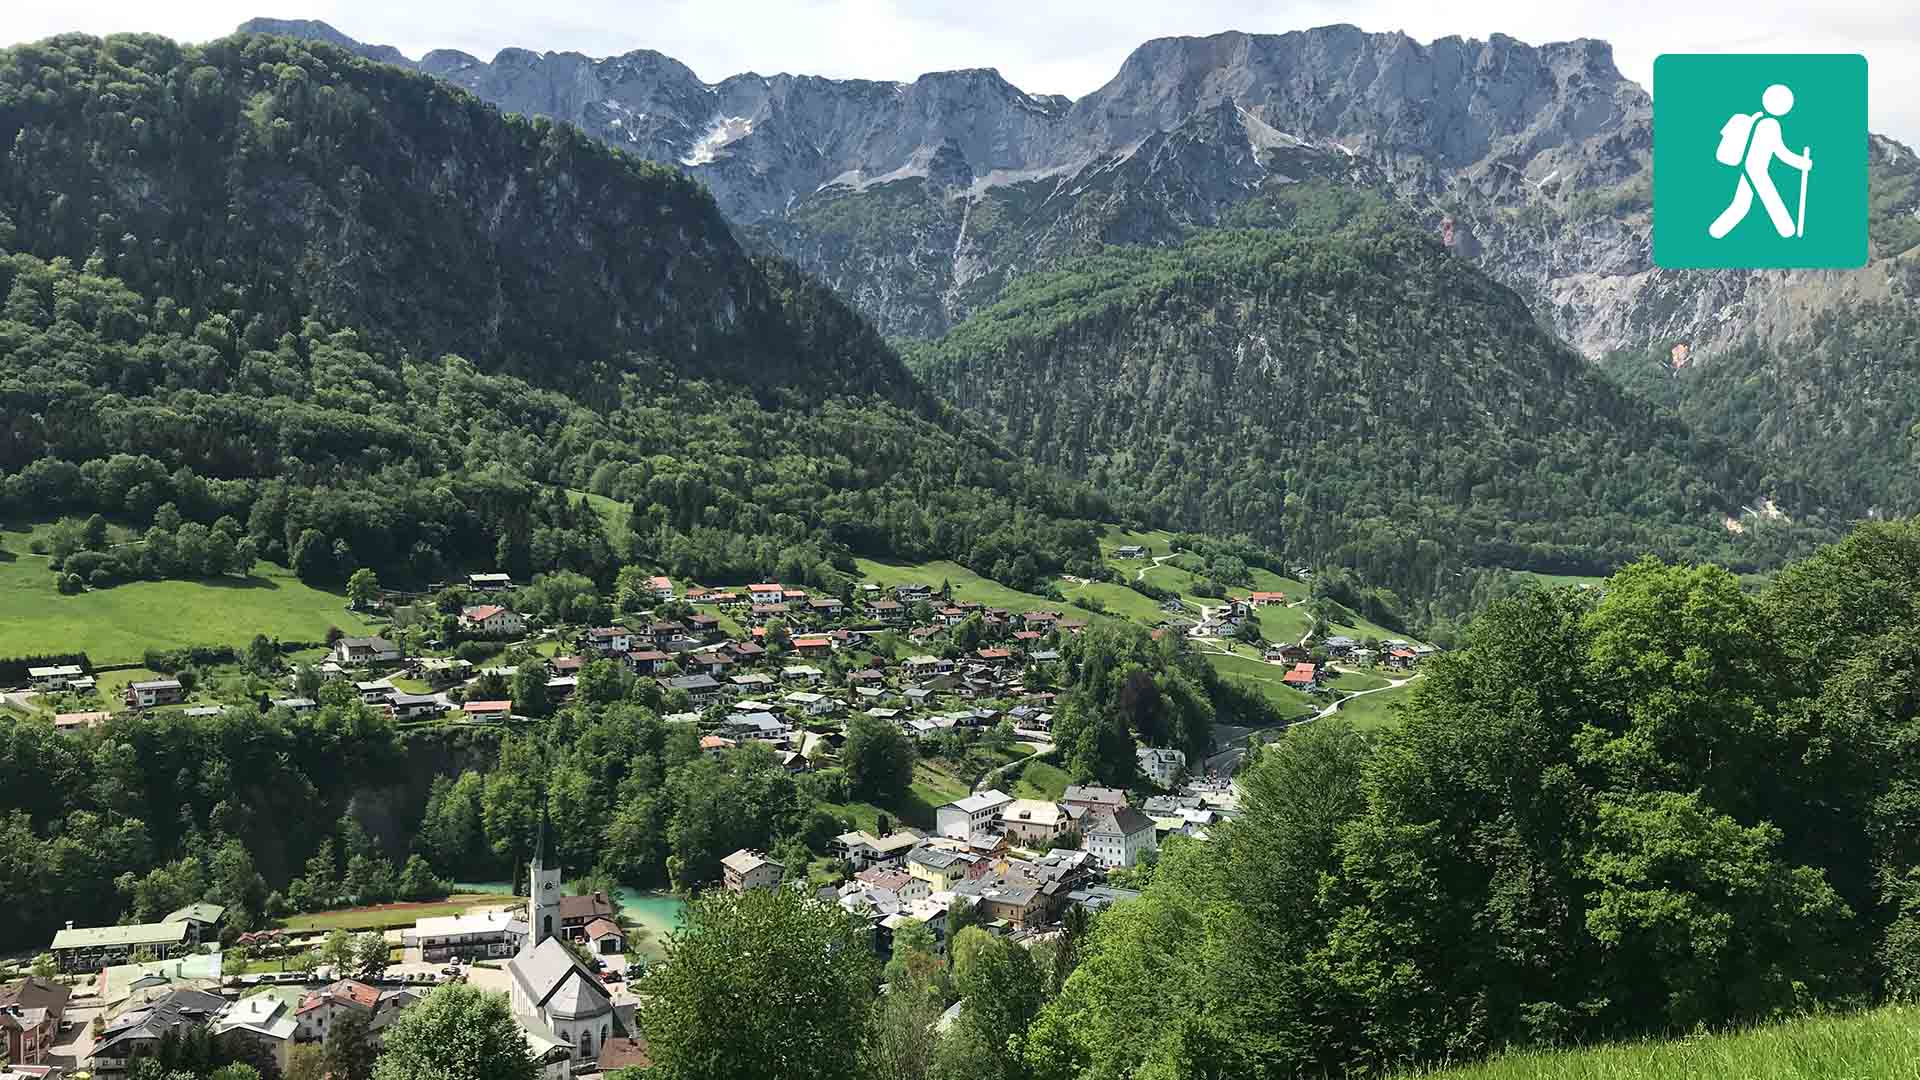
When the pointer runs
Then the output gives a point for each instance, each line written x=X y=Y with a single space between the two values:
x=1052 y=46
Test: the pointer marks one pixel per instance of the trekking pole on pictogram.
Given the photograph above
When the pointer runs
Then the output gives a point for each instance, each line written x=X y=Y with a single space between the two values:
x=1800 y=223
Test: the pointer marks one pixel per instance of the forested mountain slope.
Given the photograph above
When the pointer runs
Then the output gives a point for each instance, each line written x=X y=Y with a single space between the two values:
x=1837 y=399
x=1357 y=396
x=270 y=280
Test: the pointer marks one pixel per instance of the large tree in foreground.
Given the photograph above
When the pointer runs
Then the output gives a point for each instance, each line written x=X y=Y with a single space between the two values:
x=766 y=984
x=457 y=1032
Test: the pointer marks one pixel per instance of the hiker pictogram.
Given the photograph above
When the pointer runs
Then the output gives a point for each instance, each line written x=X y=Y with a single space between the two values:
x=1753 y=141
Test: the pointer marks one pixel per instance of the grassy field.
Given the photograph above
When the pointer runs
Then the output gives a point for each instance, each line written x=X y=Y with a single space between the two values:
x=1883 y=1044
x=1040 y=780
x=1283 y=625
x=1155 y=541
x=613 y=513
x=119 y=624
x=388 y=916
x=1358 y=680
x=1267 y=581
x=1119 y=601
x=1376 y=710
x=967 y=585
x=1266 y=678
x=1173 y=579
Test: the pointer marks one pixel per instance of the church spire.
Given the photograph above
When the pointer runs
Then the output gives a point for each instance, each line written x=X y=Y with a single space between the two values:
x=540 y=838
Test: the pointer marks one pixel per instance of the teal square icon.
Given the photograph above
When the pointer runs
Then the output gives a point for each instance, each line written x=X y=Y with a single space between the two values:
x=1759 y=162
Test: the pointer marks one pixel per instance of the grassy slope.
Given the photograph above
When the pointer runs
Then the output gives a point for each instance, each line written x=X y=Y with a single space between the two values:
x=1283 y=625
x=1266 y=678
x=117 y=625
x=1119 y=600
x=1884 y=1043
x=967 y=585
x=933 y=786
x=1376 y=710
x=1040 y=780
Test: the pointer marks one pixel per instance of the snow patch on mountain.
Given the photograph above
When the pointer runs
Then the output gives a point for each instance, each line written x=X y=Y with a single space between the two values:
x=726 y=129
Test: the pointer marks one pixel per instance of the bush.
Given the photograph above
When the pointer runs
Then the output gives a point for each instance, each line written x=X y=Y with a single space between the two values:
x=173 y=661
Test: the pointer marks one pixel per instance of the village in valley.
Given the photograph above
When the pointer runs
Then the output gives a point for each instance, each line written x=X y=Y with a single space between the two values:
x=992 y=833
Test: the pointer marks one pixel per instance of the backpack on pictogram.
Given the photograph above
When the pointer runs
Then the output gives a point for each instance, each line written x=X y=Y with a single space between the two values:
x=1734 y=136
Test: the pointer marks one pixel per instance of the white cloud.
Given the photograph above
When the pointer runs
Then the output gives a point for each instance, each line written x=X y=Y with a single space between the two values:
x=1060 y=46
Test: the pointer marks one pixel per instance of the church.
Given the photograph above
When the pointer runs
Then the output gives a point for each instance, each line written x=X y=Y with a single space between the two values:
x=562 y=1007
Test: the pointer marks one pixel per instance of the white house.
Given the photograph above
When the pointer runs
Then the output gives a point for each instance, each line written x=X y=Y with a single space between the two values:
x=1161 y=765
x=611 y=639
x=54 y=678
x=265 y=1020
x=475 y=935
x=365 y=650
x=1118 y=837
x=747 y=869
x=492 y=620
x=1033 y=822
x=862 y=849
x=976 y=813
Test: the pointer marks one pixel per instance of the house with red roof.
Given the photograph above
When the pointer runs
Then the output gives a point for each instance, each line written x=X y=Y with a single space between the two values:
x=1302 y=677
x=483 y=711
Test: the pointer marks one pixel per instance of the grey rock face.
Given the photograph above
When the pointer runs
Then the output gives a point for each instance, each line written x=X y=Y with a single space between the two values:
x=919 y=198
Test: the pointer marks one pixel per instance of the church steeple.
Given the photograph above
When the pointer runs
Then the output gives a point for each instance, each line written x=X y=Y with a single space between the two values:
x=543 y=889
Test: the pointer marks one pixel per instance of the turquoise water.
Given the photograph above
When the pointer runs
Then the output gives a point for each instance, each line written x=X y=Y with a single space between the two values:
x=659 y=912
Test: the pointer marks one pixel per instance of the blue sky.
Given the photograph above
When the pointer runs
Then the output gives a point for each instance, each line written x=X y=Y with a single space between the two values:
x=1057 y=46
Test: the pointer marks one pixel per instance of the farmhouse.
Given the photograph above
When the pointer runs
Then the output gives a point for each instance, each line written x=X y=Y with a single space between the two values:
x=484 y=711
x=611 y=639
x=1130 y=551
x=1302 y=677
x=365 y=650
x=79 y=721
x=492 y=620
x=155 y=692
x=490 y=581
x=767 y=593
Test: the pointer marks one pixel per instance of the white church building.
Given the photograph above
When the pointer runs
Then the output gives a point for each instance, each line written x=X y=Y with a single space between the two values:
x=562 y=1007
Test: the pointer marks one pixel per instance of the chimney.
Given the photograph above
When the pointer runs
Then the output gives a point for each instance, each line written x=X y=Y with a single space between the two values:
x=69 y=924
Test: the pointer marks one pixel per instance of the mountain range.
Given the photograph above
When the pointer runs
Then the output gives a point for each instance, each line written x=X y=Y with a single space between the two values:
x=919 y=201
x=1222 y=323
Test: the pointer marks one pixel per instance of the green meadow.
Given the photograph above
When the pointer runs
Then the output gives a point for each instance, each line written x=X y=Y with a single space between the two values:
x=118 y=624
x=1883 y=1044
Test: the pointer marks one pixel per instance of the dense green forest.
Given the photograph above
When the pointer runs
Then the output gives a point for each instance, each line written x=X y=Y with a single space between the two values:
x=368 y=317
x=1839 y=401
x=1680 y=804
x=1351 y=394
